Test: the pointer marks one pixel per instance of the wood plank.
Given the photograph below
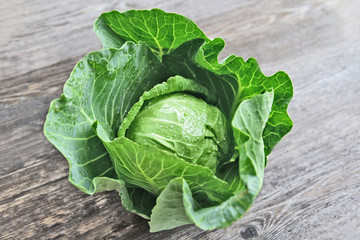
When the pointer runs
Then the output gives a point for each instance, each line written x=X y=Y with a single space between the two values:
x=312 y=181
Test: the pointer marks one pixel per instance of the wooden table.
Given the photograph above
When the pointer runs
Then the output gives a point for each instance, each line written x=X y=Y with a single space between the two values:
x=311 y=186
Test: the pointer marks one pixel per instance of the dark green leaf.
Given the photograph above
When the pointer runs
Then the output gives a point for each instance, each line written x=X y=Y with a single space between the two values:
x=161 y=31
x=252 y=81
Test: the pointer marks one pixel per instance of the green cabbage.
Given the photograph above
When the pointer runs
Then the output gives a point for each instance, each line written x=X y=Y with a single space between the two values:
x=186 y=126
x=155 y=116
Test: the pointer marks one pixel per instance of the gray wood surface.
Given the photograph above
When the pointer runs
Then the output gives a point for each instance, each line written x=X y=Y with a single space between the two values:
x=312 y=181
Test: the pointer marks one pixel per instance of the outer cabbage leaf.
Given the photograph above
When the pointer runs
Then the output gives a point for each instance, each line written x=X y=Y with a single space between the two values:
x=161 y=31
x=252 y=81
x=102 y=88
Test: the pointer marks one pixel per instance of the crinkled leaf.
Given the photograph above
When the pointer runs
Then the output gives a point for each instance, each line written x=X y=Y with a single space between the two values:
x=161 y=31
x=252 y=81
x=102 y=87
x=248 y=125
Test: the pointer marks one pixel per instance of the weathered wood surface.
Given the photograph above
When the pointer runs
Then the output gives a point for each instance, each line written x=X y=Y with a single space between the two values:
x=312 y=181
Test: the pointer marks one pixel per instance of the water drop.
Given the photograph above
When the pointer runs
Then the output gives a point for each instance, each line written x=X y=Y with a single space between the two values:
x=81 y=65
x=57 y=107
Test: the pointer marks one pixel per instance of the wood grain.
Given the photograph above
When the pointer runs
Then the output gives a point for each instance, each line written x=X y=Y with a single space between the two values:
x=312 y=181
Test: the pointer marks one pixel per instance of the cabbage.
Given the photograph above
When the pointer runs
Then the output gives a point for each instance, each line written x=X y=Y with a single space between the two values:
x=155 y=116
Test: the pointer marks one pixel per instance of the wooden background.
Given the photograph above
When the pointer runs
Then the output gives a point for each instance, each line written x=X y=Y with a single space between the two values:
x=312 y=181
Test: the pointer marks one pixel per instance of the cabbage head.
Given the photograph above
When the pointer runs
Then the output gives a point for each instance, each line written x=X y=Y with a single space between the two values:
x=182 y=137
